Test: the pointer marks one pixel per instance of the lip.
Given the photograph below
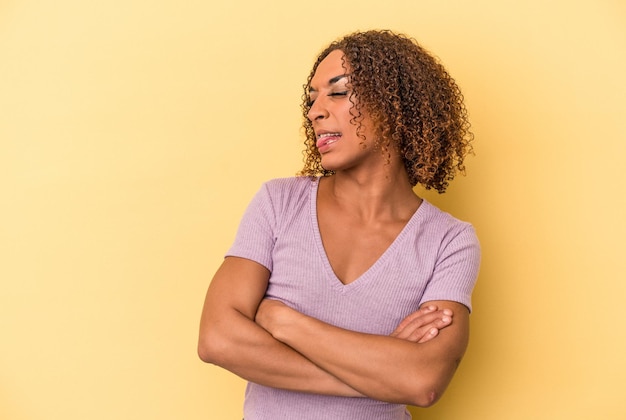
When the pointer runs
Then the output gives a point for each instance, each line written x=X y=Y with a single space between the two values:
x=325 y=139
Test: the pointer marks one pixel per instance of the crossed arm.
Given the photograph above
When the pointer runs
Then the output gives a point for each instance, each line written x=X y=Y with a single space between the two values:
x=266 y=342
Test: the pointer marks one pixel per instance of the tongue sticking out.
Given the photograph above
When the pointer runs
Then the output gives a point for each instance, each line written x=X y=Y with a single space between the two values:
x=325 y=140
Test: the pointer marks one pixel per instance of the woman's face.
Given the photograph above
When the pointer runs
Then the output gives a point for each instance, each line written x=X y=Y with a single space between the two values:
x=331 y=113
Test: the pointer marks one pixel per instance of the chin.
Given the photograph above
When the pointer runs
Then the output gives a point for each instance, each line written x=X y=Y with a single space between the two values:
x=330 y=166
x=339 y=164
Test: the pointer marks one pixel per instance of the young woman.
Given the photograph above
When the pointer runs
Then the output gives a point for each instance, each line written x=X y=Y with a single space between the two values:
x=345 y=295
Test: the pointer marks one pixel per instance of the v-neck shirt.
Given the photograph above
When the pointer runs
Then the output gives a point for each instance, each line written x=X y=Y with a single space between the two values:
x=434 y=257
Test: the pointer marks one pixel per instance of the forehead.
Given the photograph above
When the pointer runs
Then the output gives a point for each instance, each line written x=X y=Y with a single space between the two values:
x=331 y=66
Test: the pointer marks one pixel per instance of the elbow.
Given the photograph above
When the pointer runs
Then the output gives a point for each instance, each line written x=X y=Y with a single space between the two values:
x=428 y=389
x=211 y=348
x=425 y=398
x=430 y=381
x=418 y=391
x=204 y=351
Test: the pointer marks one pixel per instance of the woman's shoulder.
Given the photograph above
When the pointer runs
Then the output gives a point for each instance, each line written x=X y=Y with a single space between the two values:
x=290 y=185
x=288 y=193
x=437 y=219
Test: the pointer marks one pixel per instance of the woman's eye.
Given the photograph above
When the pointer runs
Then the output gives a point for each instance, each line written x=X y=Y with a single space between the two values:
x=311 y=101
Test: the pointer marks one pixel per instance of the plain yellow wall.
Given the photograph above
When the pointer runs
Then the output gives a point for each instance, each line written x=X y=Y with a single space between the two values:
x=133 y=133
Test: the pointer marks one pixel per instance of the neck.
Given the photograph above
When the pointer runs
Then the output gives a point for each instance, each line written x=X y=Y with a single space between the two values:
x=371 y=196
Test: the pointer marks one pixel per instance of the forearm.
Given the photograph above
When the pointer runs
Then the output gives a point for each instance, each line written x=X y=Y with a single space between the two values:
x=239 y=345
x=381 y=367
x=230 y=338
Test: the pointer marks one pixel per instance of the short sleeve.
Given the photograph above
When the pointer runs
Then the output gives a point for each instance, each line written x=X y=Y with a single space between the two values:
x=256 y=236
x=456 y=269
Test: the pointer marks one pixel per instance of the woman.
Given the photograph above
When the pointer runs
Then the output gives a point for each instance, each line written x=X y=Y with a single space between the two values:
x=345 y=295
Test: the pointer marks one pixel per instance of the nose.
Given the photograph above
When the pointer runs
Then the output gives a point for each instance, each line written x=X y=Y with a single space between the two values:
x=318 y=110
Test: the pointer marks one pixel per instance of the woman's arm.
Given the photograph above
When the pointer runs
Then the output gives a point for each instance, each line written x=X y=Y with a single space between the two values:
x=230 y=338
x=386 y=368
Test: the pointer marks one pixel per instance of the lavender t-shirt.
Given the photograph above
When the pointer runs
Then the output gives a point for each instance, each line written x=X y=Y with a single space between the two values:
x=435 y=257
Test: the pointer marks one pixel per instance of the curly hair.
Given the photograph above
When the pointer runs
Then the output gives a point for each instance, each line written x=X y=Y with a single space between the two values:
x=416 y=107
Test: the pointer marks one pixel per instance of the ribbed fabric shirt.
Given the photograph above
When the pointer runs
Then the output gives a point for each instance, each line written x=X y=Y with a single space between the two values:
x=435 y=257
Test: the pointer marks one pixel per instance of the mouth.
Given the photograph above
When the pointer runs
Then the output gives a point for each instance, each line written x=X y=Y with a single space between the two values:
x=326 y=139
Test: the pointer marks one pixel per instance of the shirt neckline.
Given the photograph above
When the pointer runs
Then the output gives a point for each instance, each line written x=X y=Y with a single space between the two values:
x=371 y=271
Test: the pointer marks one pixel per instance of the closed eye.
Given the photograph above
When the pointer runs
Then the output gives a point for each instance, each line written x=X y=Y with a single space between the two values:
x=310 y=102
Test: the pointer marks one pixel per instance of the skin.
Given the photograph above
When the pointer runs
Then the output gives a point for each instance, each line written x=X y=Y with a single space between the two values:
x=361 y=209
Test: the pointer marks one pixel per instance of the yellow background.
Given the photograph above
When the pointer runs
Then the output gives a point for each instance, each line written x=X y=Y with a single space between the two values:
x=133 y=133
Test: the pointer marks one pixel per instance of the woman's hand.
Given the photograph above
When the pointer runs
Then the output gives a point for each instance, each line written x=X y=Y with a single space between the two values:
x=429 y=365
x=419 y=327
x=424 y=324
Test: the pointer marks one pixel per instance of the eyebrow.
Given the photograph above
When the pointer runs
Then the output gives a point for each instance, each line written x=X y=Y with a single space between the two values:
x=331 y=81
